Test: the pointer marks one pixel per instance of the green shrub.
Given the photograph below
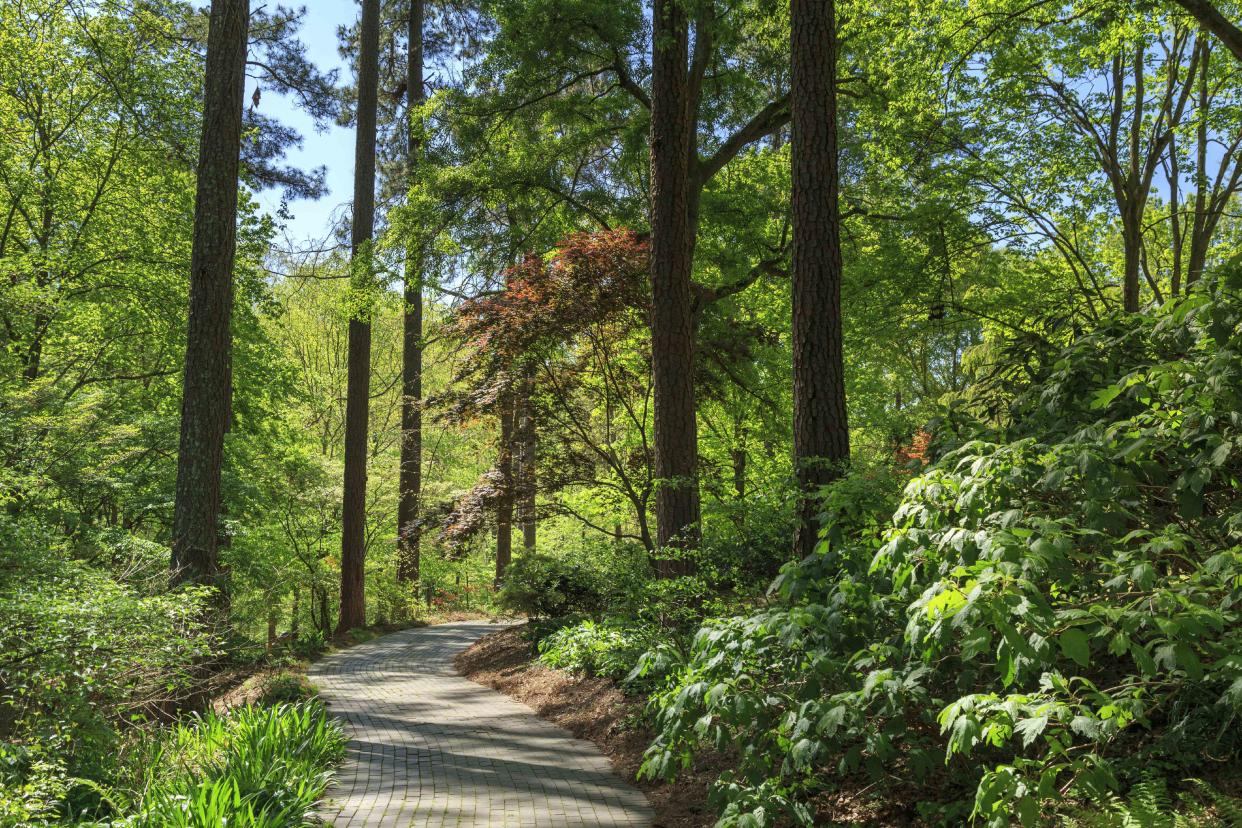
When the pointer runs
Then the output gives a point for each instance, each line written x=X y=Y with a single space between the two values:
x=548 y=586
x=307 y=644
x=285 y=687
x=609 y=649
x=81 y=652
x=1053 y=608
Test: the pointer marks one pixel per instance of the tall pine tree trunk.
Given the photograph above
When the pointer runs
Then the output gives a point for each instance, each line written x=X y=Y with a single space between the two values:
x=672 y=255
x=353 y=510
x=821 y=433
x=411 y=476
x=206 y=403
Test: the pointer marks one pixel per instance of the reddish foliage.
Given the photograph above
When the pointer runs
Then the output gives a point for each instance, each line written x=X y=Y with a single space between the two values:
x=914 y=455
x=546 y=302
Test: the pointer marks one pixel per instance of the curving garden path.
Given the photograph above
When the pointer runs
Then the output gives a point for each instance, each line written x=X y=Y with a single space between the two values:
x=431 y=749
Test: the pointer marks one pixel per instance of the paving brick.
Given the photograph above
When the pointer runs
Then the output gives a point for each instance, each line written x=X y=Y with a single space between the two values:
x=431 y=749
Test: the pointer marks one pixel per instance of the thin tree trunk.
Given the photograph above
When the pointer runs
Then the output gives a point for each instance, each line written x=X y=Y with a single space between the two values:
x=1199 y=234
x=353 y=510
x=1132 y=242
x=672 y=255
x=526 y=482
x=206 y=402
x=325 y=613
x=821 y=432
x=1136 y=197
x=409 y=532
x=504 y=500
x=295 y=614
x=1175 y=220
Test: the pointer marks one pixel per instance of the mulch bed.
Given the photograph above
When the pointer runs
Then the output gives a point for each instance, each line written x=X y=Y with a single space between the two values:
x=596 y=710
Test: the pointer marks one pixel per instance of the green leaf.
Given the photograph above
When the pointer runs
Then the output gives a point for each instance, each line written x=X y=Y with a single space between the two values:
x=1075 y=644
x=1105 y=396
x=1028 y=811
x=1031 y=728
x=1189 y=661
x=1142 y=658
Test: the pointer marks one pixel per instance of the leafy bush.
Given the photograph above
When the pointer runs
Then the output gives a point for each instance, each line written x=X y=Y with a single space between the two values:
x=307 y=644
x=285 y=687
x=608 y=648
x=1051 y=610
x=544 y=586
x=80 y=652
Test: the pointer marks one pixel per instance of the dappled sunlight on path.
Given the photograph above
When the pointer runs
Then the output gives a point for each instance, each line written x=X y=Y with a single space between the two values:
x=429 y=748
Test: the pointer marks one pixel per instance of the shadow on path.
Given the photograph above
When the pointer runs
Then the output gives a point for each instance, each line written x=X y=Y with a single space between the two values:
x=429 y=748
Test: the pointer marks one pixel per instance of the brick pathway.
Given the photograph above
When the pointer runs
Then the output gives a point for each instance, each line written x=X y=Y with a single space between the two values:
x=431 y=749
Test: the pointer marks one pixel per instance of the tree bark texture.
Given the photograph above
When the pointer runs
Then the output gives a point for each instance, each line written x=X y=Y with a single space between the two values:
x=207 y=397
x=821 y=431
x=353 y=511
x=410 y=483
x=672 y=255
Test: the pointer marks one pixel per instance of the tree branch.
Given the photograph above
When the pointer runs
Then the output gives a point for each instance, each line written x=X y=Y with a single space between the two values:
x=769 y=119
x=1211 y=19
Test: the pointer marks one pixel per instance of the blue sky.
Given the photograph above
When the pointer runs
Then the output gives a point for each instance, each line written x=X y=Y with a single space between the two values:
x=333 y=148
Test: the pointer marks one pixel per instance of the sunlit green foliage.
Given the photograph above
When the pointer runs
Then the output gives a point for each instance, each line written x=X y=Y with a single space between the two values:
x=1053 y=607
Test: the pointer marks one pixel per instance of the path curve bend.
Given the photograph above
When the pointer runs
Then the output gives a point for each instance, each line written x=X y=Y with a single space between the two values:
x=430 y=749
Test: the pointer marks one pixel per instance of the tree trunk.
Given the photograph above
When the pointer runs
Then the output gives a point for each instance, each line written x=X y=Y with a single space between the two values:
x=325 y=612
x=526 y=482
x=504 y=499
x=1136 y=195
x=353 y=510
x=206 y=402
x=738 y=456
x=821 y=432
x=1132 y=242
x=1199 y=235
x=672 y=255
x=1175 y=220
x=409 y=533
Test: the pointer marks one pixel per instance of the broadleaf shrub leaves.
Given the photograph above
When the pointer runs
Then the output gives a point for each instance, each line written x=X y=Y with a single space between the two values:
x=1052 y=593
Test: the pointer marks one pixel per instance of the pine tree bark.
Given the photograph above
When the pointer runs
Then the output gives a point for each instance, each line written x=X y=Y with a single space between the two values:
x=207 y=398
x=672 y=255
x=410 y=484
x=821 y=432
x=358 y=384
x=504 y=499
